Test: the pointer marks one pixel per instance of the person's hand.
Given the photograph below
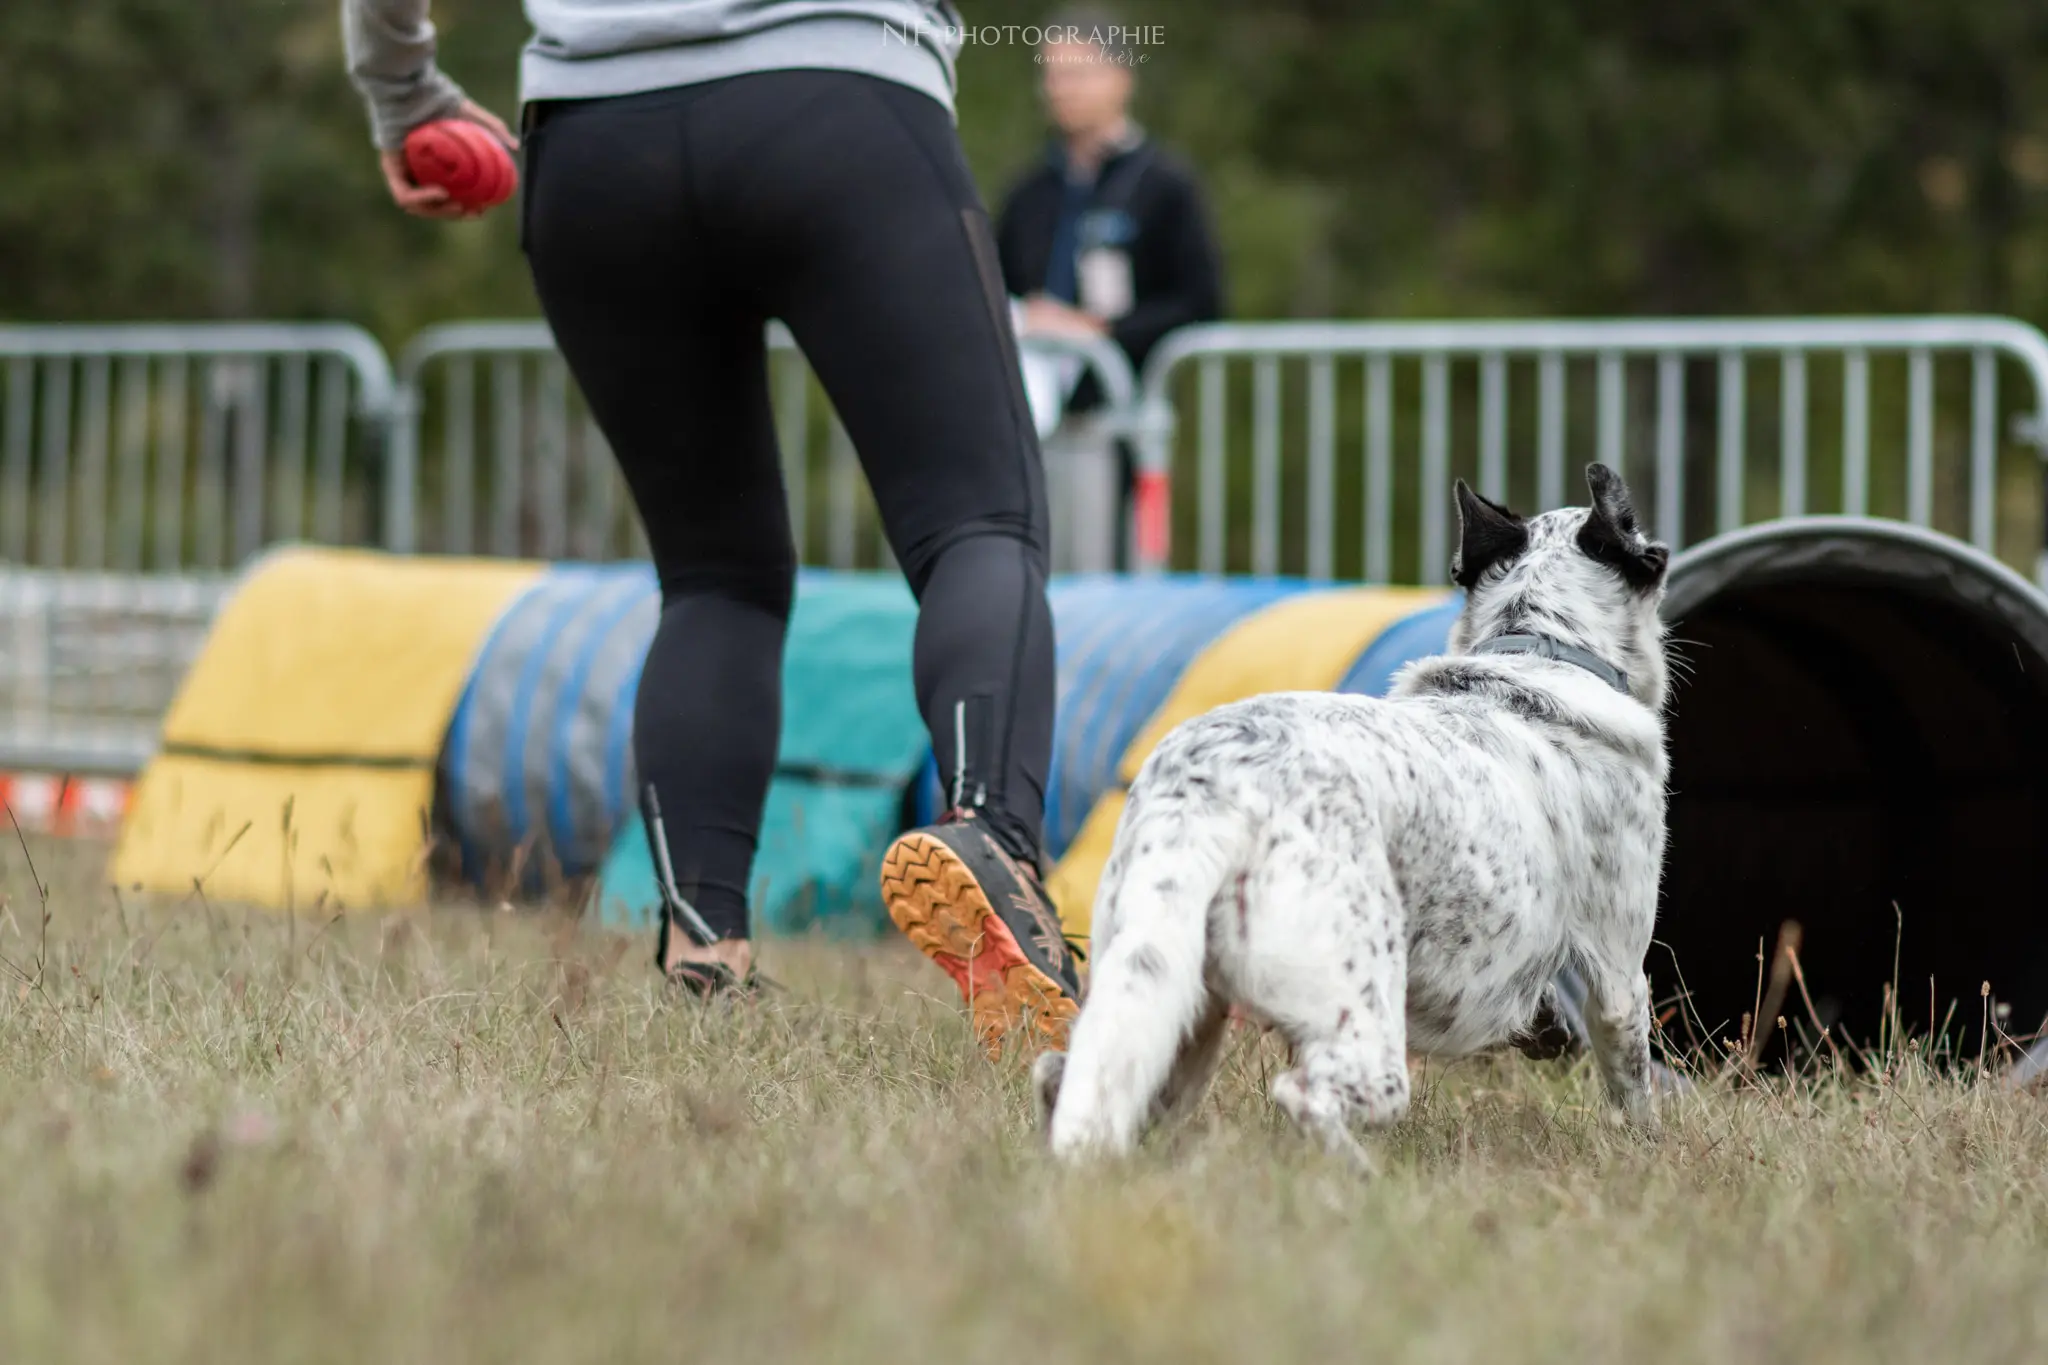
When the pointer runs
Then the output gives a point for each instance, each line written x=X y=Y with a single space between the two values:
x=432 y=201
x=1045 y=315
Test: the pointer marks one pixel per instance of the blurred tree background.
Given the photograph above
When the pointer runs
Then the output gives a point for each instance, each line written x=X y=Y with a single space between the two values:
x=172 y=159
x=204 y=158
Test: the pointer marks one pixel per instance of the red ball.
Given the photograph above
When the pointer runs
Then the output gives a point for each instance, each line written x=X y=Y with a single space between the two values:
x=463 y=159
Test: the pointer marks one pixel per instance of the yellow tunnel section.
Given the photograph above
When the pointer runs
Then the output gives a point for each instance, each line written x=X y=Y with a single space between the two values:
x=297 y=761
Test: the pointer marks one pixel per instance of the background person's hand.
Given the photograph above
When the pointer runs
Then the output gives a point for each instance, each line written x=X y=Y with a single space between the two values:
x=1045 y=315
x=432 y=201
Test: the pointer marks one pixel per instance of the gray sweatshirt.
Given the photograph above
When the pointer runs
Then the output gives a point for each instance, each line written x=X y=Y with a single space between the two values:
x=584 y=49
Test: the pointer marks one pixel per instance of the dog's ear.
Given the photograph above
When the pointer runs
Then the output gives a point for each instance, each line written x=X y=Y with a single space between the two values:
x=1487 y=534
x=1612 y=536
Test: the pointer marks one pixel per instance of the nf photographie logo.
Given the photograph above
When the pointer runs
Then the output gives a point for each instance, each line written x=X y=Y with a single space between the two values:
x=1112 y=45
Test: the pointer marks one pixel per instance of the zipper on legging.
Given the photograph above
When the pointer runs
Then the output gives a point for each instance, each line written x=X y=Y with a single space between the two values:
x=969 y=793
x=674 y=906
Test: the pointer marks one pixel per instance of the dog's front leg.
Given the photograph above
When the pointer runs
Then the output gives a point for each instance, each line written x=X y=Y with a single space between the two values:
x=1618 y=1025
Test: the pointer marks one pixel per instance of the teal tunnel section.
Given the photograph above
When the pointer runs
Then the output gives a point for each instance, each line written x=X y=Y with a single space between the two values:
x=851 y=738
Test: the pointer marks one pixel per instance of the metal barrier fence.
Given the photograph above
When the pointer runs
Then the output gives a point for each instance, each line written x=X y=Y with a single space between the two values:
x=191 y=446
x=493 y=450
x=1306 y=401
x=89 y=663
x=139 y=466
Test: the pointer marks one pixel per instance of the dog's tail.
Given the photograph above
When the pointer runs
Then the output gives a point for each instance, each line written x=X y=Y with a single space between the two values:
x=1146 y=987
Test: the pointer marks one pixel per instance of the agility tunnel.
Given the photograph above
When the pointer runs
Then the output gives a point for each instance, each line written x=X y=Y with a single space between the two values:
x=1860 y=723
x=1862 y=749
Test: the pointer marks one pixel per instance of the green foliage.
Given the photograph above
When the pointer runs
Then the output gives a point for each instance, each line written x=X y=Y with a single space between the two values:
x=188 y=158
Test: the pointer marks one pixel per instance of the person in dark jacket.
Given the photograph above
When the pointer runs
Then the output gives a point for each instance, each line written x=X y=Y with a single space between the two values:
x=1109 y=236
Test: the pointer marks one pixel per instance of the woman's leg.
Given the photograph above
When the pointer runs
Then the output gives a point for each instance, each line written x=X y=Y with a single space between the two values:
x=866 y=229
x=668 y=347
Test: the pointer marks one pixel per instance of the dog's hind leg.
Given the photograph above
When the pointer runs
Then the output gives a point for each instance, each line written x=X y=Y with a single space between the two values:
x=1356 y=1075
x=1331 y=970
x=1148 y=990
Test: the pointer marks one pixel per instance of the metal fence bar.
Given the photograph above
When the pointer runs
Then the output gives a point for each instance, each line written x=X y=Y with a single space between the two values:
x=131 y=465
x=95 y=418
x=209 y=475
x=1210 y=469
x=167 y=548
x=1493 y=426
x=1984 y=449
x=56 y=461
x=1266 y=467
x=1670 y=524
x=1436 y=464
x=1613 y=405
x=1550 y=426
x=249 y=391
x=1856 y=433
x=507 y=423
x=14 y=460
x=551 y=481
x=349 y=344
x=1733 y=446
x=1792 y=434
x=329 y=491
x=1920 y=437
x=1322 y=468
x=293 y=410
x=458 y=458
x=1379 y=470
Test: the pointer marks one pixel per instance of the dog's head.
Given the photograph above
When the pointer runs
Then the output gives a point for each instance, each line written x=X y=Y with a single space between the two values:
x=1587 y=576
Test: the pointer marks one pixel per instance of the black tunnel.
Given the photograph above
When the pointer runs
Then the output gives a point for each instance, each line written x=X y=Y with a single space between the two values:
x=1865 y=726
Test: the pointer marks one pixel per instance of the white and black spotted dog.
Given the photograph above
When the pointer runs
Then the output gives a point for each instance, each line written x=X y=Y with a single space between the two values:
x=1374 y=876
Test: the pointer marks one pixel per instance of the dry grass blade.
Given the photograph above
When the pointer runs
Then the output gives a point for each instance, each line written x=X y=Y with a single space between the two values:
x=1782 y=961
x=1826 y=1036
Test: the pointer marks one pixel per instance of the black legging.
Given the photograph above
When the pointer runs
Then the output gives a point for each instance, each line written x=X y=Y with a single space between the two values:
x=664 y=230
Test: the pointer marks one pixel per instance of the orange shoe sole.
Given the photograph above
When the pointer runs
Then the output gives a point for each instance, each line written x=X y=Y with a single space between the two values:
x=937 y=903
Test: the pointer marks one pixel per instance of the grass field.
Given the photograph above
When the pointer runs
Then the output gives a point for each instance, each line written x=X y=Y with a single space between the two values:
x=475 y=1136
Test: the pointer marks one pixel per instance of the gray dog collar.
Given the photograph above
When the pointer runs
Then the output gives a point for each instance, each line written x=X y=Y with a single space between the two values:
x=1550 y=647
